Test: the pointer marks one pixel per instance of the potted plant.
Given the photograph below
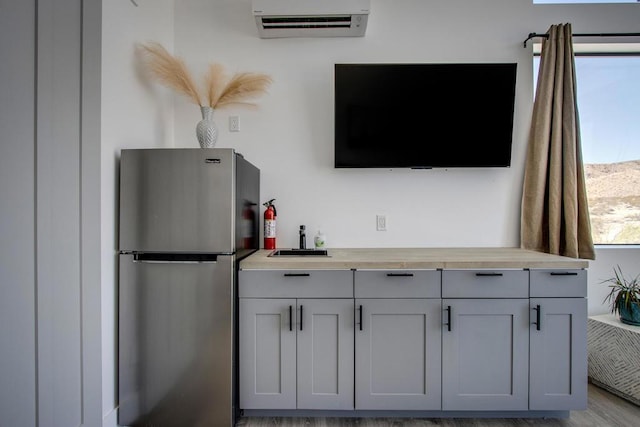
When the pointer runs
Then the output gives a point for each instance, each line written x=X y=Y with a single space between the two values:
x=624 y=297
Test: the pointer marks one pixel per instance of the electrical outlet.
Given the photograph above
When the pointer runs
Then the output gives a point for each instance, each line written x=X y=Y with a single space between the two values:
x=381 y=223
x=234 y=124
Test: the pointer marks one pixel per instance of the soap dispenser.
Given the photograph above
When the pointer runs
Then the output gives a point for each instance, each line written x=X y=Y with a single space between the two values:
x=319 y=240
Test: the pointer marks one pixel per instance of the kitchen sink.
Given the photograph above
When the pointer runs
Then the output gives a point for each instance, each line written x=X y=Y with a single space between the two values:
x=299 y=252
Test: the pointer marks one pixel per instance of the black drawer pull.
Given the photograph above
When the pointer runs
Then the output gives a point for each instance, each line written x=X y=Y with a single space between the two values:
x=565 y=273
x=360 y=309
x=291 y=318
x=399 y=274
x=488 y=274
x=300 y=317
x=297 y=274
x=537 y=322
x=448 y=309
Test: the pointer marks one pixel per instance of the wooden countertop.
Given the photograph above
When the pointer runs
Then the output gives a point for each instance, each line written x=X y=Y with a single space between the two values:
x=412 y=258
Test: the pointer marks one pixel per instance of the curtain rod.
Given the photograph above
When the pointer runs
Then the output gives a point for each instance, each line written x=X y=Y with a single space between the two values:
x=546 y=35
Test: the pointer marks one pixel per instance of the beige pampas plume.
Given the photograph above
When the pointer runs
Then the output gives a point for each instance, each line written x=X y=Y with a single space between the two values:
x=215 y=80
x=221 y=91
x=241 y=88
x=170 y=71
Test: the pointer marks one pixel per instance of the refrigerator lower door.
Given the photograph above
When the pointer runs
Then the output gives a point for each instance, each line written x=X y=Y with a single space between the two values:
x=176 y=340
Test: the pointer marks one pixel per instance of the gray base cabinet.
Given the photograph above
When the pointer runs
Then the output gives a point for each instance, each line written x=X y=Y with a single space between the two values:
x=558 y=340
x=267 y=353
x=325 y=354
x=558 y=377
x=504 y=341
x=397 y=339
x=485 y=354
x=296 y=353
x=398 y=354
x=485 y=340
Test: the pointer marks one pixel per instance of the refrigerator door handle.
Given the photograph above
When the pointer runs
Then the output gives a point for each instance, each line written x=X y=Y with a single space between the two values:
x=175 y=258
x=174 y=262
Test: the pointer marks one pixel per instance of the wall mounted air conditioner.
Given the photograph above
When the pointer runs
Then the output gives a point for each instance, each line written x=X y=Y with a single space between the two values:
x=311 y=18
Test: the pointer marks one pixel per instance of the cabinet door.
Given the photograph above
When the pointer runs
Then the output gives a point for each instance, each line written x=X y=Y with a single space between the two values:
x=398 y=354
x=558 y=340
x=325 y=353
x=485 y=354
x=267 y=353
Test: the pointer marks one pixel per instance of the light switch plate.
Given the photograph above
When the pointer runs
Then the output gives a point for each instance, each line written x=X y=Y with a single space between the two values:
x=234 y=124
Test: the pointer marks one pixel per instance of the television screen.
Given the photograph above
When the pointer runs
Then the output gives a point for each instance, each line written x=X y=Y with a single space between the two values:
x=424 y=115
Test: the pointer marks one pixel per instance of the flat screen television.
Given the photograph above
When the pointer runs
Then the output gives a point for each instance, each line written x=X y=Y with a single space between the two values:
x=424 y=115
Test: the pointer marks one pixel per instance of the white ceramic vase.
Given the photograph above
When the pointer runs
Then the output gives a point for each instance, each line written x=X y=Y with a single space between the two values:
x=206 y=130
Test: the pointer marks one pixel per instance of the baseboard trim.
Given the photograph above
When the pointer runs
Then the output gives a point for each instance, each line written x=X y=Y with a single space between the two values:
x=110 y=419
x=403 y=414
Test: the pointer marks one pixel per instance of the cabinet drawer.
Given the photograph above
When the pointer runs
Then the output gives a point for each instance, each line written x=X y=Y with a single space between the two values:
x=295 y=284
x=485 y=284
x=558 y=283
x=397 y=284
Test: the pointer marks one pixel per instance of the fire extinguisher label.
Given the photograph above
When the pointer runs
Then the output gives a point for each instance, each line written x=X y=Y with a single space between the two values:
x=269 y=228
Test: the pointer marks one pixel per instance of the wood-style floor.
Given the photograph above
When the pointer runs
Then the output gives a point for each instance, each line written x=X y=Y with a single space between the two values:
x=605 y=410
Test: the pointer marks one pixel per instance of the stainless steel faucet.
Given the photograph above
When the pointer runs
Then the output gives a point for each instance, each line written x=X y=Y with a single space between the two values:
x=303 y=238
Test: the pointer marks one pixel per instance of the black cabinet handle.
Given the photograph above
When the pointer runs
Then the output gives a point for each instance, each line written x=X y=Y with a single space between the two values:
x=360 y=309
x=399 y=274
x=300 y=317
x=488 y=274
x=297 y=274
x=448 y=309
x=564 y=273
x=291 y=318
x=537 y=322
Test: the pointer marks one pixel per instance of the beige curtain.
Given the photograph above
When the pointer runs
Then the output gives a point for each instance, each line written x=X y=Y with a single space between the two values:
x=555 y=215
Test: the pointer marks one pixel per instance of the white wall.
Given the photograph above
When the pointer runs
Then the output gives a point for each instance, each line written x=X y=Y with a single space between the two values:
x=290 y=138
x=601 y=269
x=134 y=115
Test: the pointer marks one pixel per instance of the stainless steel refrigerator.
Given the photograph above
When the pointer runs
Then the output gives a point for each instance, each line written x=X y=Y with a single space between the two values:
x=187 y=216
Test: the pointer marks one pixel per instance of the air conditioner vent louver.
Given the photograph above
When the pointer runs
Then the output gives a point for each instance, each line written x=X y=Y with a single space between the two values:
x=307 y=22
x=311 y=18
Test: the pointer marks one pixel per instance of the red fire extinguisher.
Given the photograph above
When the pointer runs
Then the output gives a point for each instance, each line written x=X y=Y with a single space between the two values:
x=270 y=225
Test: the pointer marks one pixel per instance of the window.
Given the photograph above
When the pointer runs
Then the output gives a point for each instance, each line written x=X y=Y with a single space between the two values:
x=609 y=107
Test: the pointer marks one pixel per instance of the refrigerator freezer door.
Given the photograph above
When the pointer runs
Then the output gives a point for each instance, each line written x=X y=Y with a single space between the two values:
x=177 y=200
x=176 y=342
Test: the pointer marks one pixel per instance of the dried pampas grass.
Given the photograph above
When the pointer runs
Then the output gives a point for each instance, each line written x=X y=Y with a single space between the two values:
x=215 y=80
x=221 y=91
x=242 y=87
x=170 y=71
